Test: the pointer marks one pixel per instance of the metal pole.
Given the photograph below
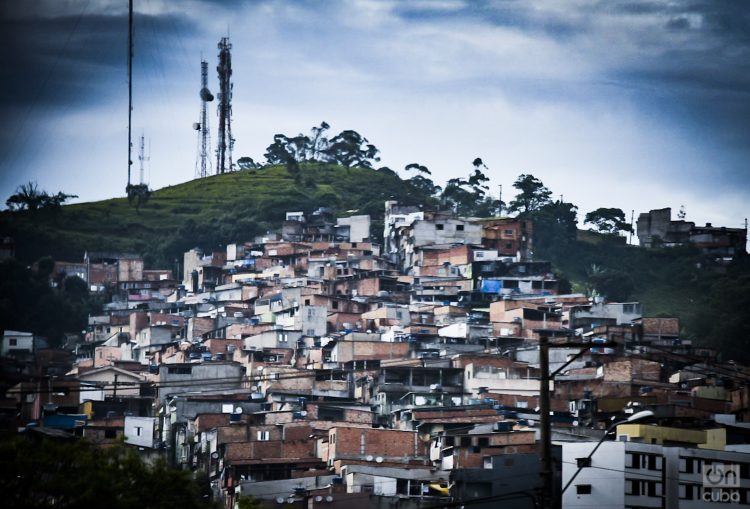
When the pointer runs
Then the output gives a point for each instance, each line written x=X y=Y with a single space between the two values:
x=130 y=86
x=545 y=441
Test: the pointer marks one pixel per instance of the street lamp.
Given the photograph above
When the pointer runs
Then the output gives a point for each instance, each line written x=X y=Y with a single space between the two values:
x=643 y=414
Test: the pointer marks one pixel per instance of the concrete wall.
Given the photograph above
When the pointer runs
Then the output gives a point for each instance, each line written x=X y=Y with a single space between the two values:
x=139 y=431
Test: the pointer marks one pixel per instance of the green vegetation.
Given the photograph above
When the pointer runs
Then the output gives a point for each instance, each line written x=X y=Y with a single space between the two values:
x=29 y=197
x=711 y=300
x=233 y=207
x=42 y=473
x=30 y=304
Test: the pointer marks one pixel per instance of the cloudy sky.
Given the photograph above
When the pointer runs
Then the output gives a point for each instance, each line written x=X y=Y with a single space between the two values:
x=632 y=104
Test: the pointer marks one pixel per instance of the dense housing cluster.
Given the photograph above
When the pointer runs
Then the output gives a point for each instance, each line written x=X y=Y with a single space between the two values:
x=314 y=367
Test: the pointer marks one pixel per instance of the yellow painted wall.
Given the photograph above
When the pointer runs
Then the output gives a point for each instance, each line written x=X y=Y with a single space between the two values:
x=703 y=439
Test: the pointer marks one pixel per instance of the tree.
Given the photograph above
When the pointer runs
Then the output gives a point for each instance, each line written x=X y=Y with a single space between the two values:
x=299 y=147
x=318 y=142
x=29 y=303
x=138 y=194
x=614 y=285
x=29 y=197
x=555 y=226
x=247 y=163
x=532 y=195
x=417 y=167
x=278 y=151
x=608 y=220
x=350 y=149
x=43 y=473
x=468 y=197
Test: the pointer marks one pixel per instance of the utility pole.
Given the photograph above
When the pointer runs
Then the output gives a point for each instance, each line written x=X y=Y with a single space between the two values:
x=500 y=202
x=630 y=233
x=130 y=87
x=545 y=439
x=548 y=495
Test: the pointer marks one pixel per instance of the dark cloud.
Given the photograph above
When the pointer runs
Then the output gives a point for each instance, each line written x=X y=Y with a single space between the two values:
x=75 y=59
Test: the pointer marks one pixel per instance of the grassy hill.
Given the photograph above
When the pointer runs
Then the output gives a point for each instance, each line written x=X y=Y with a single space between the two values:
x=207 y=212
x=711 y=300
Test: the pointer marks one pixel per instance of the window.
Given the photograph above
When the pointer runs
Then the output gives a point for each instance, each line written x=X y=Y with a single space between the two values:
x=583 y=489
x=307 y=302
x=508 y=245
x=179 y=370
x=13 y=342
x=335 y=304
x=686 y=465
x=439 y=226
x=643 y=461
x=264 y=436
x=508 y=233
x=110 y=433
x=459 y=227
x=643 y=488
x=689 y=491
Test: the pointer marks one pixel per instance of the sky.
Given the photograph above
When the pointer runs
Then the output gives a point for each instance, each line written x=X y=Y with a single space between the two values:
x=632 y=104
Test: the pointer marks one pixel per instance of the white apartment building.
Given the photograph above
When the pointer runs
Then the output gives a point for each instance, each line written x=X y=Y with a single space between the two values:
x=631 y=475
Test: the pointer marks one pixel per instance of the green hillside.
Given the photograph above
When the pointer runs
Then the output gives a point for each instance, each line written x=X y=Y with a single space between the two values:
x=712 y=300
x=208 y=212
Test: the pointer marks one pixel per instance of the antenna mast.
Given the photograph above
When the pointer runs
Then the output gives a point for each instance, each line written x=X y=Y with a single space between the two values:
x=130 y=86
x=142 y=157
x=203 y=164
x=225 y=142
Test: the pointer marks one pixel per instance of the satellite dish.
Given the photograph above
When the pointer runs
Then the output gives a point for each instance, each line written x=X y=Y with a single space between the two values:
x=369 y=457
x=238 y=410
x=379 y=459
x=206 y=95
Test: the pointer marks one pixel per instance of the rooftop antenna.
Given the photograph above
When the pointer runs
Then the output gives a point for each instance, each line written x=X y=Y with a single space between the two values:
x=225 y=140
x=203 y=163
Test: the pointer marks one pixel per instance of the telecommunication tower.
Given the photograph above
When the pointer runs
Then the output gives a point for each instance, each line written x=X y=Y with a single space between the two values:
x=142 y=157
x=202 y=162
x=225 y=141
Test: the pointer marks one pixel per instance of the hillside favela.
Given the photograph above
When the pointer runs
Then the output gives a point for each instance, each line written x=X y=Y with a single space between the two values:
x=310 y=328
